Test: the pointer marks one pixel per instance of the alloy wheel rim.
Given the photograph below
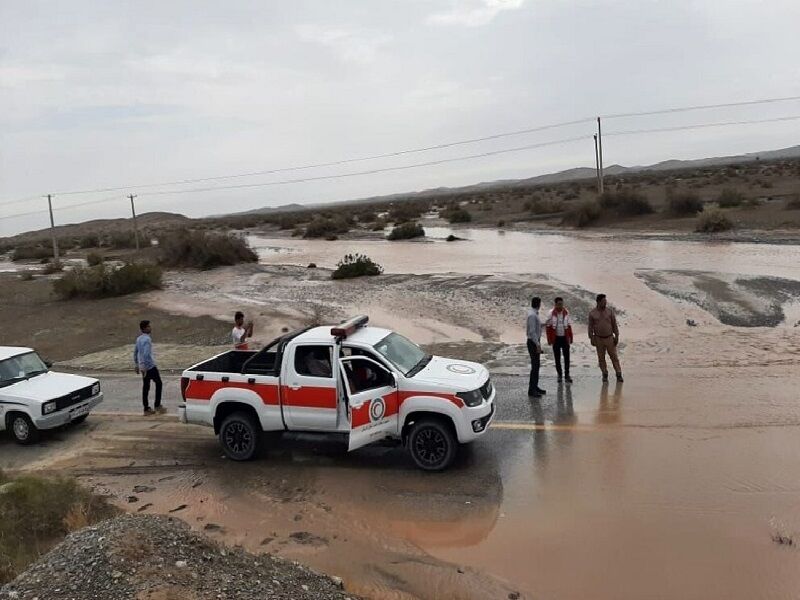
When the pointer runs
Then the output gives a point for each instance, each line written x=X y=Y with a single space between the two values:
x=430 y=446
x=238 y=437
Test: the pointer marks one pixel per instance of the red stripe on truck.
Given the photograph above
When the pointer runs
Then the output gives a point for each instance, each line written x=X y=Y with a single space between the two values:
x=203 y=390
x=310 y=397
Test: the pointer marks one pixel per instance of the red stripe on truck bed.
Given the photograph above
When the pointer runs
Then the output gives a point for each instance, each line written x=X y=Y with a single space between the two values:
x=203 y=390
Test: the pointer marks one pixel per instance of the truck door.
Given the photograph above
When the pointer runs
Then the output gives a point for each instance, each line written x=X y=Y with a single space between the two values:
x=309 y=395
x=372 y=399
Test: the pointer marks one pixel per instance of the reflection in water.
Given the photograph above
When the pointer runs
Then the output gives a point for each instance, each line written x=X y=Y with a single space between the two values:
x=565 y=414
x=608 y=413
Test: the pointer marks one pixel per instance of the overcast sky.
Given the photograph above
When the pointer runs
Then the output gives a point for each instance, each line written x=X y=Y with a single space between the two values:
x=108 y=93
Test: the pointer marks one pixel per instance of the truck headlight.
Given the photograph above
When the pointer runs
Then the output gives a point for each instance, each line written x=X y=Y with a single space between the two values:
x=96 y=389
x=473 y=398
x=48 y=407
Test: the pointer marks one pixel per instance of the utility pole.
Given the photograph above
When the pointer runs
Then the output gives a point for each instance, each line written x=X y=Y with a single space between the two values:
x=597 y=166
x=600 y=153
x=135 y=225
x=53 y=230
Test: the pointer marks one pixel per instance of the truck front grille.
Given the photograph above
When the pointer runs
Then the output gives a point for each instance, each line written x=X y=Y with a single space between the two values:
x=74 y=397
x=486 y=389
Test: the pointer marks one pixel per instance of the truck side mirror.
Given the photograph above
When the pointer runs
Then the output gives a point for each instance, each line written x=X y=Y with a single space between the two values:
x=48 y=364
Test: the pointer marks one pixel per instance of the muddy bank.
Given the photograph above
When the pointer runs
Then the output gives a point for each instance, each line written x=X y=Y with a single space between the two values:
x=738 y=300
x=32 y=316
x=430 y=308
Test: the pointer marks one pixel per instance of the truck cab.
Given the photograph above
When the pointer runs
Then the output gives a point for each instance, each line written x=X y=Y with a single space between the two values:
x=365 y=382
x=34 y=398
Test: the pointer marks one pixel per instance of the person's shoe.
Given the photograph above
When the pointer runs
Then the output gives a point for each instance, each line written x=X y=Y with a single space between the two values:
x=534 y=394
x=160 y=410
x=619 y=377
x=605 y=377
x=541 y=391
x=568 y=379
x=149 y=411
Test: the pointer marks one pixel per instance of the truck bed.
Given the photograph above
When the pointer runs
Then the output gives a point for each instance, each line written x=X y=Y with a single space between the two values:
x=233 y=362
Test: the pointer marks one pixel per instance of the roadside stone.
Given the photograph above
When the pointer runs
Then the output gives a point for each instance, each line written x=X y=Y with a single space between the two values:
x=143 y=489
x=132 y=499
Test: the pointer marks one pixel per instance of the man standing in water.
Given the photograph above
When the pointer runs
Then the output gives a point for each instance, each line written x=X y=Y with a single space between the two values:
x=559 y=336
x=534 y=331
x=604 y=336
x=146 y=365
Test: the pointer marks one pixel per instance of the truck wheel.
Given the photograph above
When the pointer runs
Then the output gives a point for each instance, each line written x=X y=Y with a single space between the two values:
x=79 y=420
x=432 y=445
x=23 y=429
x=240 y=436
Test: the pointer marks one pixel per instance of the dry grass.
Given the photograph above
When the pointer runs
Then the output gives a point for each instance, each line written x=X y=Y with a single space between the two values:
x=35 y=513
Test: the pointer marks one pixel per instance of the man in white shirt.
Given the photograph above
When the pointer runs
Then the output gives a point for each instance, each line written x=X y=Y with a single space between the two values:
x=241 y=332
x=534 y=332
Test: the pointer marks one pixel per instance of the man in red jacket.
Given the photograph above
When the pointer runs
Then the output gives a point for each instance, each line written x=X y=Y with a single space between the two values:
x=559 y=336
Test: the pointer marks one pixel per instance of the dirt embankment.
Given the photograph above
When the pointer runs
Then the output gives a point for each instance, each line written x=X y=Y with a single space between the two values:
x=159 y=558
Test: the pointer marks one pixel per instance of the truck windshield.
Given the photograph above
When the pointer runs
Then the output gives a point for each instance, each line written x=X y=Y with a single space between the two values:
x=21 y=367
x=401 y=352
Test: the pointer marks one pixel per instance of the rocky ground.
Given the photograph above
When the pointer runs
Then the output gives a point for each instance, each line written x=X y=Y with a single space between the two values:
x=159 y=558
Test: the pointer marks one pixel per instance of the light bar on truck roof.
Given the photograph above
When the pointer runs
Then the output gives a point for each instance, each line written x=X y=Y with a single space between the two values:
x=349 y=327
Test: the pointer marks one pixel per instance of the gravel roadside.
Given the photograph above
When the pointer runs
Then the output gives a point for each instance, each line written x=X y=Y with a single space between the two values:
x=159 y=558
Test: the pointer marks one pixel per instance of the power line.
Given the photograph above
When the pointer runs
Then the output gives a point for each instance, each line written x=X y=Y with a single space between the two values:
x=336 y=162
x=700 y=107
x=703 y=125
x=440 y=146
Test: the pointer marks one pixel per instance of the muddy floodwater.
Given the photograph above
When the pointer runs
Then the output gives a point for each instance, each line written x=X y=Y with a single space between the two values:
x=675 y=484
x=683 y=482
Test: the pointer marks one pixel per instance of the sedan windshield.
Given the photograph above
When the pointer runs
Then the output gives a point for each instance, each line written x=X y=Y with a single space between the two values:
x=401 y=352
x=21 y=367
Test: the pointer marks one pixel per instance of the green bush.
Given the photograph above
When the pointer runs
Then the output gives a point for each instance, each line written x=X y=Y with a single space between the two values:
x=32 y=253
x=36 y=513
x=683 y=203
x=203 y=250
x=406 y=231
x=403 y=213
x=584 y=214
x=324 y=227
x=379 y=225
x=94 y=258
x=88 y=241
x=122 y=239
x=356 y=265
x=713 y=221
x=456 y=215
x=730 y=198
x=104 y=281
x=626 y=203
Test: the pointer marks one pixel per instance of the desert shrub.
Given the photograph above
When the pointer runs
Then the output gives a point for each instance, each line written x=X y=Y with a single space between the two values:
x=456 y=215
x=406 y=231
x=730 y=198
x=94 y=258
x=122 y=239
x=793 y=203
x=297 y=232
x=104 y=281
x=324 y=227
x=288 y=221
x=626 y=203
x=713 y=221
x=26 y=276
x=546 y=206
x=88 y=241
x=379 y=225
x=752 y=202
x=32 y=253
x=683 y=203
x=51 y=268
x=356 y=265
x=36 y=512
x=204 y=250
x=583 y=214
x=501 y=223
x=367 y=216
x=403 y=213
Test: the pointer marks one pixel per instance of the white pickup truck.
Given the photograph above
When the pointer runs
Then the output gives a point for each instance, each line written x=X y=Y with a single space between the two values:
x=366 y=382
x=33 y=398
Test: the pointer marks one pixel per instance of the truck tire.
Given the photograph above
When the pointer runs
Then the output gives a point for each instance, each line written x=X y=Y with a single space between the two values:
x=240 y=436
x=432 y=445
x=79 y=420
x=22 y=429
